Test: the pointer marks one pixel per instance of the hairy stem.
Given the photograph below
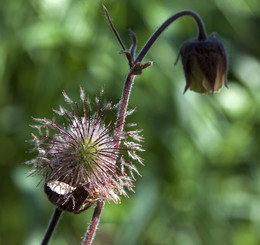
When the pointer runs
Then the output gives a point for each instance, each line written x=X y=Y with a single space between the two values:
x=124 y=103
x=89 y=236
x=51 y=227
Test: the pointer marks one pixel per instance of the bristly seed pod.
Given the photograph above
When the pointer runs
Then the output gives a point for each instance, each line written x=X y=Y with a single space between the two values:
x=205 y=65
x=81 y=161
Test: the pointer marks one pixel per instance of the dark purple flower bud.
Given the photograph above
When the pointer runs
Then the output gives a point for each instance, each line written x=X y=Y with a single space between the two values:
x=205 y=65
x=81 y=160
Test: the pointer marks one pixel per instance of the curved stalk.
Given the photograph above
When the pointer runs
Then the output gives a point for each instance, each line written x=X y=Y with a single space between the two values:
x=202 y=35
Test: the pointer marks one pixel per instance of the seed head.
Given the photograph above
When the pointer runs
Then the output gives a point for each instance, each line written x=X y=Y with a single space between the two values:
x=205 y=65
x=81 y=160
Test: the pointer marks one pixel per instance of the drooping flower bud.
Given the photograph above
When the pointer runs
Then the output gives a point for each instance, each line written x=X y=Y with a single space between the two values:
x=205 y=65
x=81 y=161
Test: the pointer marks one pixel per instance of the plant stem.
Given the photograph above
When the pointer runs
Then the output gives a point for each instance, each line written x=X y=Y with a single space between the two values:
x=127 y=90
x=51 y=227
x=89 y=236
x=123 y=104
x=202 y=35
x=131 y=77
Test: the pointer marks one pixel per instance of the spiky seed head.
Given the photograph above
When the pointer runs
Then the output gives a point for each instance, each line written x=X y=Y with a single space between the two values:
x=82 y=161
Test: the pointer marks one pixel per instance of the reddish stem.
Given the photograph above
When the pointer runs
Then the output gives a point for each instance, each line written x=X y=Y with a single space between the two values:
x=131 y=77
x=89 y=236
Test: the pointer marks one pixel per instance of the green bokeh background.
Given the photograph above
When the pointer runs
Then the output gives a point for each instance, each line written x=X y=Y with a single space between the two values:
x=201 y=181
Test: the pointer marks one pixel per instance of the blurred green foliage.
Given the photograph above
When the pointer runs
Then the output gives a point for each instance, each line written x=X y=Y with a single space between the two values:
x=201 y=180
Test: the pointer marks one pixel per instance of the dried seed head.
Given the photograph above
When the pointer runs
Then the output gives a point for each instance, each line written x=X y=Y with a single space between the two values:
x=82 y=161
x=205 y=65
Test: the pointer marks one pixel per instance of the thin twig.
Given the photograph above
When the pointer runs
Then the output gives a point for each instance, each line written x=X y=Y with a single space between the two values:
x=113 y=28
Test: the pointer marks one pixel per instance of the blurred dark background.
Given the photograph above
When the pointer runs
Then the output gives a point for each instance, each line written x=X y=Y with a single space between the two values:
x=201 y=181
